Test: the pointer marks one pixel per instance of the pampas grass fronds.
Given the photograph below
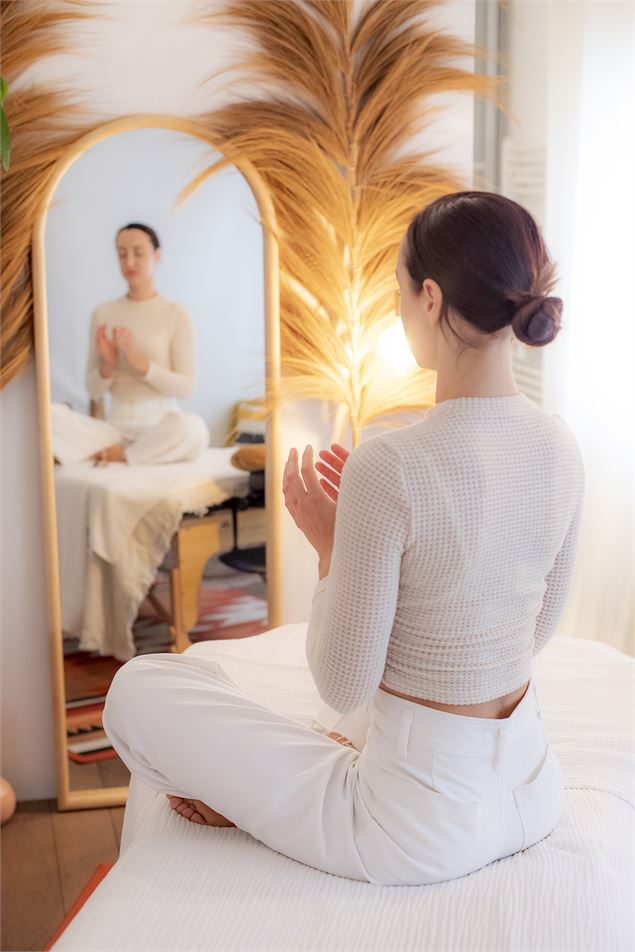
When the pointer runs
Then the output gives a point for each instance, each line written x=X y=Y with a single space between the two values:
x=343 y=98
x=43 y=122
x=340 y=101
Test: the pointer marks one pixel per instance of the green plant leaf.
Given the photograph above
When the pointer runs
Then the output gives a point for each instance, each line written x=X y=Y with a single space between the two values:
x=5 y=141
x=3 y=89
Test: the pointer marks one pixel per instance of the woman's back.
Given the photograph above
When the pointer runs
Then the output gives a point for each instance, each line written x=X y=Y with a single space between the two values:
x=454 y=545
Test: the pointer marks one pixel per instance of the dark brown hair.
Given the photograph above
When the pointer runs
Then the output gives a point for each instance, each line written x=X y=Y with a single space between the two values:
x=154 y=238
x=488 y=256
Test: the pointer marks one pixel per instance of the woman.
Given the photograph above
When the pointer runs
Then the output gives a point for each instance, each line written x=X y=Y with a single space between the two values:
x=142 y=354
x=445 y=571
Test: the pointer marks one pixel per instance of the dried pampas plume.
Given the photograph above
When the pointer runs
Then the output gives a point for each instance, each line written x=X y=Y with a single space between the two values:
x=43 y=122
x=338 y=100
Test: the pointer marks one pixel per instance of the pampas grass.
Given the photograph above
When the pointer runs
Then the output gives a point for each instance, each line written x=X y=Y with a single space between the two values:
x=353 y=94
x=338 y=101
x=43 y=122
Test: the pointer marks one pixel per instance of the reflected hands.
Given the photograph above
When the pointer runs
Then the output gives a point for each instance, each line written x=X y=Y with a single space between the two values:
x=125 y=342
x=107 y=351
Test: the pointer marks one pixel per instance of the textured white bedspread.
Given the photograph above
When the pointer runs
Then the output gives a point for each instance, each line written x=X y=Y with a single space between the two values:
x=115 y=525
x=179 y=886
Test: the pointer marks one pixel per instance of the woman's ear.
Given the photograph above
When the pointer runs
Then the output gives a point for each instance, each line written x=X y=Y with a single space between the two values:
x=432 y=299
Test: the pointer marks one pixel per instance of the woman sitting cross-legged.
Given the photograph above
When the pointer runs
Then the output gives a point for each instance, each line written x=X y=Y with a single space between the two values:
x=141 y=354
x=445 y=553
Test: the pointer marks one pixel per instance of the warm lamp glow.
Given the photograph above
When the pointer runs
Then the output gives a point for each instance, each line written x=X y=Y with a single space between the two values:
x=393 y=350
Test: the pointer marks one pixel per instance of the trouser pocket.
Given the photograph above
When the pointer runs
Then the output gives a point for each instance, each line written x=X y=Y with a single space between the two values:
x=540 y=801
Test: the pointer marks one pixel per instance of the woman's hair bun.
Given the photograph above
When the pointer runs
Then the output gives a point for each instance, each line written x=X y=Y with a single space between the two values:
x=538 y=320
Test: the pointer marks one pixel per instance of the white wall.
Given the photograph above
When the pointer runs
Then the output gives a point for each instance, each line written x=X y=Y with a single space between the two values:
x=142 y=59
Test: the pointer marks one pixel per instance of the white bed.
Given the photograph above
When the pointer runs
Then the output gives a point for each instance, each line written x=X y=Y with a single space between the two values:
x=179 y=886
x=115 y=524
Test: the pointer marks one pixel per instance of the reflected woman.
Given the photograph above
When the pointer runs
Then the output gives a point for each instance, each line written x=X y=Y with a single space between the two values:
x=141 y=353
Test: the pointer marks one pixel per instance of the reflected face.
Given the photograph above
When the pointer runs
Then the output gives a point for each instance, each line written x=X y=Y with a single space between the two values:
x=137 y=255
x=419 y=312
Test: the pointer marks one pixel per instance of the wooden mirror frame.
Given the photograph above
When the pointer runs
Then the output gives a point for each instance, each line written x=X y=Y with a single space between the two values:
x=68 y=799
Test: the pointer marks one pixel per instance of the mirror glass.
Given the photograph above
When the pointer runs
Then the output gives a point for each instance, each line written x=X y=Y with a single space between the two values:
x=156 y=338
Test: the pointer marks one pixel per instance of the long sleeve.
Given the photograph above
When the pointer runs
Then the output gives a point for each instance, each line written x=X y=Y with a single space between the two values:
x=96 y=385
x=178 y=381
x=353 y=607
x=558 y=581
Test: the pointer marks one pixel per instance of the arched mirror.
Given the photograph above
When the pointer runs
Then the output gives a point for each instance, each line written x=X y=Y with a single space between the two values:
x=156 y=344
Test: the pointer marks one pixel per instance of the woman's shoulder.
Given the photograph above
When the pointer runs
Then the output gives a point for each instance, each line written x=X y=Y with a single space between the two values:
x=556 y=435
x=387 y=448
x=438 y=434
x=177 y=307
x=569 y=448
x=562 y=428
x=374 y=473
x=178 y=317
x=394 y=440
x=108 y=307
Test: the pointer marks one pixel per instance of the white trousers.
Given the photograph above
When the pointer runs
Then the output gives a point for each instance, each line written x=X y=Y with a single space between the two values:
x=169 y=437
x=429 y=796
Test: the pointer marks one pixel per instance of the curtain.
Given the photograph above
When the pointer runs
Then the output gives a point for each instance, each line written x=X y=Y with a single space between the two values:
x=590 y=211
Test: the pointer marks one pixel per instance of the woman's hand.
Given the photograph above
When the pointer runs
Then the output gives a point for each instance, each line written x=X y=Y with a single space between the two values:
x=312 y=504
x=125 y=341
x=107 y=352
x=335 y=735
x=332 y=471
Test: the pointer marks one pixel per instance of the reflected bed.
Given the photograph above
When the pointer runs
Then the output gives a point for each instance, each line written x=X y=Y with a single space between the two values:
x=119 y=523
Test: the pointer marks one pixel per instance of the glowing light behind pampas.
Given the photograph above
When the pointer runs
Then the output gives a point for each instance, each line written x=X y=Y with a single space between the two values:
x=343 y=88
x=394 y=352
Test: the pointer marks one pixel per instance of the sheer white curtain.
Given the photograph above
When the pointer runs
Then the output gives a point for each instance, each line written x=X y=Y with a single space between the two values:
x=590 y=214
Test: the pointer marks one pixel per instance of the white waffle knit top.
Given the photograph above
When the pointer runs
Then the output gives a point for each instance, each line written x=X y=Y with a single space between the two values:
x=455 y=539
x=163 y=332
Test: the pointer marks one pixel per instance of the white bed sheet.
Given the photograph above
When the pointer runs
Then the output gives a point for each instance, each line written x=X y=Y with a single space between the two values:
x=115 y=524
x=179 y=886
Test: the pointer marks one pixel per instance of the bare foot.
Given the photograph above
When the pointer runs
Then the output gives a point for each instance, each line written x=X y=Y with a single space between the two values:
x=197 y=811
x=112 y=454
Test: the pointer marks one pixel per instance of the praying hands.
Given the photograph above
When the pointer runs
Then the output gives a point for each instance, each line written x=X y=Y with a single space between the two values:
x=123 y=342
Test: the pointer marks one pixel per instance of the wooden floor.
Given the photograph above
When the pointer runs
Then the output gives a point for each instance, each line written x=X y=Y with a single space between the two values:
x=47 y=859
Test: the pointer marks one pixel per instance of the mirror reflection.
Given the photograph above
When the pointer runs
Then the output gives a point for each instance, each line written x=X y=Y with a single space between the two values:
x=157 y=364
